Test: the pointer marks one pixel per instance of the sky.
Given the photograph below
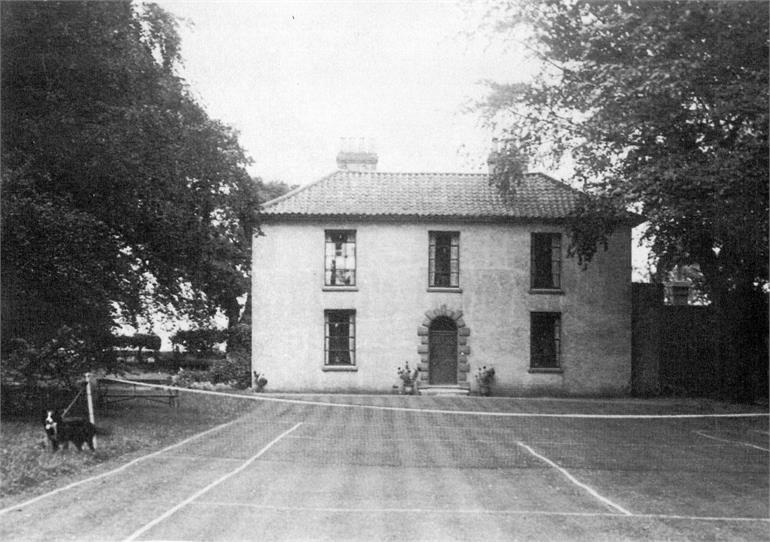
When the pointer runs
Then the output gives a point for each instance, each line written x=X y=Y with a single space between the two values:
x=295 y=77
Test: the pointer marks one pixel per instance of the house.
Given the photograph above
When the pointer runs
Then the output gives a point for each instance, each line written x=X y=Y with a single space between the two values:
x=362 y=271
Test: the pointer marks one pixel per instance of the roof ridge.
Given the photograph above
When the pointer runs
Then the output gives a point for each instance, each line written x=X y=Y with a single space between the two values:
x=350 y=172
x=447 y=173
x=559 y=183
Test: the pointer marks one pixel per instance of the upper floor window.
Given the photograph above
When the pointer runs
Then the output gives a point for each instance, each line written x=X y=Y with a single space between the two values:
x=340 y=258
x=546 y=261
x=340 y=337
x=444 y=259
x=545 y=340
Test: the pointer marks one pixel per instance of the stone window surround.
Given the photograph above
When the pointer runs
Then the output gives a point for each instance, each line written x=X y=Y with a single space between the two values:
x=463 y=348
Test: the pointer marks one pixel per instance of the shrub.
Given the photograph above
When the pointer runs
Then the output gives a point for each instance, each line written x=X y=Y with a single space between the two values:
x=61 y=360
x=139 y=340
x=235 y=370
x=200 y=342
x=485 y=375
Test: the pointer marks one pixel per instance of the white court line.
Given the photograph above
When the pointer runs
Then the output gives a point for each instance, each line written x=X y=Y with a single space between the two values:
x=460 y=412
x=213 y=484
x=572 y=444
x=188 y=457
x=576 y=481
x=739 y=442
x=760 y=431
x=466 y=511
x=115 y=471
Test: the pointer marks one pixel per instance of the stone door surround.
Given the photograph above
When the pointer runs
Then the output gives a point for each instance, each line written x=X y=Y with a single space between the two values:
x=463 y=348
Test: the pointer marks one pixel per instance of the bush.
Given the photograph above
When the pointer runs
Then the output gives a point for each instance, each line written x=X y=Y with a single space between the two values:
x=62 y=360
x=139 y=340
x=200 y=342
x=234 y=371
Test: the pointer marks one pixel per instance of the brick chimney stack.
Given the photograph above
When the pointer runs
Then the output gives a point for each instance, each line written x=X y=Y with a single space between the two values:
x=505 y=155
x=357 y=154
x=494 y=156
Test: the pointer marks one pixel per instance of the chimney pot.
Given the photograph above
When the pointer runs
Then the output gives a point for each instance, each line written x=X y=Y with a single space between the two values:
x=356 y=154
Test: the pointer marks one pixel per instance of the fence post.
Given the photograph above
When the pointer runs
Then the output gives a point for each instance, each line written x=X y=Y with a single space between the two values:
x=89 y=397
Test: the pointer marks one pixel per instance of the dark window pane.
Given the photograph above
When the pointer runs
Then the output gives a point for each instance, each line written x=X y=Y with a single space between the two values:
x=546 y=260
x=545 y=331
x=444 y=259
x=340 y=338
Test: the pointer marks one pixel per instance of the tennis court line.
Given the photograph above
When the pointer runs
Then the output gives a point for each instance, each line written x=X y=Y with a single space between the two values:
x=443 y=411
x=465 y=511
x=577 y=482
x=171 y=511
x=740 y=442
x=117 y=470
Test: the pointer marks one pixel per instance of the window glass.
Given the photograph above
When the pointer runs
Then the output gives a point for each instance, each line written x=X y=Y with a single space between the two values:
x=444 y=260
x=546 y=260
x=545 y=340
x=340 y=258
x=340 y=337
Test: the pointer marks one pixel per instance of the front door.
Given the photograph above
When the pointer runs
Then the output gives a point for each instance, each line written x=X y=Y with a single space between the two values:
x=442 y=344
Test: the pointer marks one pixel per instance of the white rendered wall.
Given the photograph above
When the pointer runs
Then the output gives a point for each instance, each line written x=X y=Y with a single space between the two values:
x=392 y=298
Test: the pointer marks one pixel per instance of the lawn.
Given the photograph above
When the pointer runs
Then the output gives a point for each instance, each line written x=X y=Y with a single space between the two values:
x=423 y=468
x=124 y=430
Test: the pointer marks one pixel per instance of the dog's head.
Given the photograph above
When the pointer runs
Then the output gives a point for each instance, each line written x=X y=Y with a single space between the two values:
x=51 y=422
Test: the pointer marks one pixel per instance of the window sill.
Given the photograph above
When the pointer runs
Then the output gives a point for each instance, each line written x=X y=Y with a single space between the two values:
x=339 y=289
x=455 y=290
x=339 y=368
x=556 y=370
x=552 y=291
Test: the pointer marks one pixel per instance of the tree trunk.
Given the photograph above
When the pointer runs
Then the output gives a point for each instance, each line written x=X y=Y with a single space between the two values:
x=246 y=317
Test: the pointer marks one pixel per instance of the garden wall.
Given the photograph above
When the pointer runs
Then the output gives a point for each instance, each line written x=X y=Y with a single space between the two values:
x=674 y=348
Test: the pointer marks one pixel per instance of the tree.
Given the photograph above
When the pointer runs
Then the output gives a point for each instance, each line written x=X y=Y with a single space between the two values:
x=264 y=191
x=200 y=342
x=120 y=195
x=663 y=108
x=138 y=341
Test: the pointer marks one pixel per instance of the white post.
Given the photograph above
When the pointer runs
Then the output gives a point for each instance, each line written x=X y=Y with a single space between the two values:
x=90 y=403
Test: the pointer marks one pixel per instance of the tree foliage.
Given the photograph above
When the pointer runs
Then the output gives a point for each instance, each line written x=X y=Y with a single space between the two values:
x=120 y=195
x=663 y=109
x=663 y=106
x=61 y=360
x=138 y=340
x=201 y=341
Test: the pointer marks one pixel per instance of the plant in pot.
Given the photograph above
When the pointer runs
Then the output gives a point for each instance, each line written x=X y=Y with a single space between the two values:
x=484 y=377
x=408 y=379
x=259 y=381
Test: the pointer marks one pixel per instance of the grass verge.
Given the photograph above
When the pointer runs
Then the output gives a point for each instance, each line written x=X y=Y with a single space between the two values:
x=124 y=431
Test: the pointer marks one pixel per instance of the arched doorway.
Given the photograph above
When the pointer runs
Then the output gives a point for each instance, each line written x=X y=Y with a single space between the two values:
x=442 y=351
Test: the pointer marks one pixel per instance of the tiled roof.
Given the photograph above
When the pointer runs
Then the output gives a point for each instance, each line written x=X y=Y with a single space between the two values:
x=456 y=195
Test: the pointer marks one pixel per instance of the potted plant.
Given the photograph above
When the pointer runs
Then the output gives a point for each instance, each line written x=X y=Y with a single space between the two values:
x=484 y=377
x=259 y=381
x=408 y=379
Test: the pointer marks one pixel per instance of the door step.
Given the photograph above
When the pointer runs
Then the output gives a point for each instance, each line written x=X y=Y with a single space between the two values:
x=443 y=390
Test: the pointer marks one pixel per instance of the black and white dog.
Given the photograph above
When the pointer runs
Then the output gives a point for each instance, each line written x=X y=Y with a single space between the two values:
x=62 y=431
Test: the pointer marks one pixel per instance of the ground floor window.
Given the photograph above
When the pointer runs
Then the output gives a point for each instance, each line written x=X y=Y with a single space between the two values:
x=545 y=340
x=340 y=337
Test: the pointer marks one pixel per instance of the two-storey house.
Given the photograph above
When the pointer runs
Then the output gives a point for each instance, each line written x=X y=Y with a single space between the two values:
x=362 y=270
